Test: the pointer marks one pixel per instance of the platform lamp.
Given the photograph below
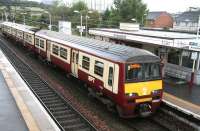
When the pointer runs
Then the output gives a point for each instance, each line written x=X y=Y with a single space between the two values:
x=2 y=16
x=81 y=28
x=50 y=21
x=24 y=17
x=86 y=23
x=143 y=18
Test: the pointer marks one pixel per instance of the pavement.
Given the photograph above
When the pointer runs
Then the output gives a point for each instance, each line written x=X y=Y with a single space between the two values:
x=179 y=95
x=183 y=91
x=10 y=116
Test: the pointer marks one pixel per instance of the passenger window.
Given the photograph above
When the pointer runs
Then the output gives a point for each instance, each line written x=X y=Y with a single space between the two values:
x=42 y=44
x=63 y=53
x=55 y=49
x=26 y=37
x=86 y=63
x=30 y=38
x=37 y=42
x=110 y=76
x=98 y=68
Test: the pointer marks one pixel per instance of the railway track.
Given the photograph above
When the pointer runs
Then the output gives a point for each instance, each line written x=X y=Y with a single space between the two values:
x=65 y=116
x=145 y=124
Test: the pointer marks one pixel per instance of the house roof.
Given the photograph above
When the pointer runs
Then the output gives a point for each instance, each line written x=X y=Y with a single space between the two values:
x=154 y=15
x=190 y=16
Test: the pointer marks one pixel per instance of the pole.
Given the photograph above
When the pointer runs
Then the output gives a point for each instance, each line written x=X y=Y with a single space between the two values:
x=24 y=20
x=192 y=74
x=6 y=15
x=81 y=29
x=2 y=16
x=86 y=17
x=50 y=22
x=13 y=18
x=197 y=38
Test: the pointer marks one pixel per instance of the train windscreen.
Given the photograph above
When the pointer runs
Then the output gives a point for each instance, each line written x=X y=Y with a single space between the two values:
x=143 y=72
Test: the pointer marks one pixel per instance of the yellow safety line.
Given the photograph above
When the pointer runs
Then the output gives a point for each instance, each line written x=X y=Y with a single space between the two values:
x=165 y=95
x=29 y=120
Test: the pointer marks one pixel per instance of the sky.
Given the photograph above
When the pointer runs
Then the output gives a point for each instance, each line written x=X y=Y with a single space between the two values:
x=171 y=6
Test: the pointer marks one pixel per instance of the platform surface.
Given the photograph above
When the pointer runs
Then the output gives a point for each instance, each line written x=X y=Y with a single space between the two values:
x=10 y=116
x=186 y=98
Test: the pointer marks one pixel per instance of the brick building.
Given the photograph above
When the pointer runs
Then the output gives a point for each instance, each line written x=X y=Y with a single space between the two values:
x=159 y=20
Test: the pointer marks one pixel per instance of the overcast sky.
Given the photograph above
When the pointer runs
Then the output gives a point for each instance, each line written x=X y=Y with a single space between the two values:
x=171 y=6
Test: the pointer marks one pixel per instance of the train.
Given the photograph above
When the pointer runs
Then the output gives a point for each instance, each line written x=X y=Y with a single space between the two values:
x=125 y=79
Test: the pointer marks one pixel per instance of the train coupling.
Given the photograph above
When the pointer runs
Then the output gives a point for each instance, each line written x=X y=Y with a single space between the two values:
x=145 y=110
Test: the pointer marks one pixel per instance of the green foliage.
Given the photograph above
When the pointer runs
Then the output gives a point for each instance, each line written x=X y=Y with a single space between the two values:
x=124 y=11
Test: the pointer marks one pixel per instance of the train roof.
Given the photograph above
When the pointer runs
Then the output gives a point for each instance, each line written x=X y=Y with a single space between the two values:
x=24 y=28
x=116 y=52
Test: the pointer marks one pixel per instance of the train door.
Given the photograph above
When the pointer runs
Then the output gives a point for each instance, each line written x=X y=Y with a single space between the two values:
x=110 y=77
x=48 y=50
x=74 y=62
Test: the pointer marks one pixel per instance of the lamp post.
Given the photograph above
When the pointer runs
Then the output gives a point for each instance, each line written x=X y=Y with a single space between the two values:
x=24 y=17
x=143 y=19
x=50 y=24
x=86 y=23
x=13 y=16
x=81 y=28
x=6 y=15
x=2 y=16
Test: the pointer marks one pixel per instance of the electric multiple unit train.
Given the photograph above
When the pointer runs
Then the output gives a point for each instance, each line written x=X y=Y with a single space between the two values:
x=125 y=78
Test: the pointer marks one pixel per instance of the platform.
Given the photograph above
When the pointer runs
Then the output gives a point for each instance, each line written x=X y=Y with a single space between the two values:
x=20 y=109
x=183 y=97
x=9 y=112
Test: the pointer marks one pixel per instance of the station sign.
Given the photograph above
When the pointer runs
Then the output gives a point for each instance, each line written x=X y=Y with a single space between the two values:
x=65 y=27
x=194 y=56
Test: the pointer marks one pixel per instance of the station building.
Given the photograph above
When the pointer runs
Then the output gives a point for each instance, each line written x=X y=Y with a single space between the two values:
x=179 y=52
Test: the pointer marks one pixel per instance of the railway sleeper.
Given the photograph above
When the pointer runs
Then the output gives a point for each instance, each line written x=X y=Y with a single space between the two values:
x=48 y=95
x=52 y=102
x=70 y=121
x=66 y=116
x=44 y=92
x=59 y=109
x=75 y=127
x=42 y=88
x=39 y=85
x=49 y=98
x=85 y=129
x=53 y=107
x=63 y=112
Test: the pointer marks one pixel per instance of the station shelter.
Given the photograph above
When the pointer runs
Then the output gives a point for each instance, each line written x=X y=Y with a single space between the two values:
x=179 y=52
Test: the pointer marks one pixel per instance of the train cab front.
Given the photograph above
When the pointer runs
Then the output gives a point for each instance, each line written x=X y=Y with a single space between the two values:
x=142 y=89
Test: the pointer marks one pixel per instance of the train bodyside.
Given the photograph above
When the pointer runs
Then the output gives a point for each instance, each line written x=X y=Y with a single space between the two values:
x=106 y=77
x=21 y=34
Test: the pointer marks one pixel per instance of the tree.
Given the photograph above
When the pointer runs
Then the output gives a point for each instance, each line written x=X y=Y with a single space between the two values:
x=125 y=10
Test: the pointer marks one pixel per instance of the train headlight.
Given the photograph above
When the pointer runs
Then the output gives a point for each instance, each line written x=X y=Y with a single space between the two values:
x=131 y=94
x=156 y=92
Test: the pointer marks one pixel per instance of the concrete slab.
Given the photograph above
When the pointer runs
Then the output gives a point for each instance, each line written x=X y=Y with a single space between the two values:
x=10 y=116
x=182 y=97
